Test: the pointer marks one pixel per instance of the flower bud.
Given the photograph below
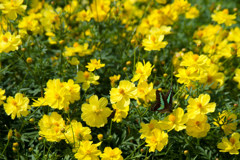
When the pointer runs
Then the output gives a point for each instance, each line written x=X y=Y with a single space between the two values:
x=31 y=120
x=14 y=149
x=40 y=138
x=128 y=63
x=100 y=137
x=17 y=134
x=124 y=69
x=30 y=149
x=10 y=132
x=15 y=144
x=185 y=152
x=165 y=75
x=29 y=60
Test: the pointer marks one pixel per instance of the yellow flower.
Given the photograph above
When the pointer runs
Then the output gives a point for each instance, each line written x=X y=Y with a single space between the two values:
x=30 y=25
x=111 y=154
x=146 y=129
x=95 y=113
x=88 y=151
x=56 y=95
x=73 y=89
x=9 y=42
x=12 y=7
x=227 y=121
x=84 y=16
x=124 y=92
x=176 y=120
x=237 y=77
x=75 y=133
x=200 y=105
x=198 y=127
x=51 y=127
x=194 y=60
x=157 y=140
x=213 y=77
x=100 y=9
x=17 y=106
x=74 y=61
x=86 y=78
x=94 y=64
x=162 y=1
x=145 y=92
x=163 y=30
x=232 y=145
x=192 y=13
x=113 y=79
x=121 y=111
x=186 y=76
x=154 y=42
x=39 y=102
x=234 y=35
x=2 y=96
x=223 y=17
x=143 y=71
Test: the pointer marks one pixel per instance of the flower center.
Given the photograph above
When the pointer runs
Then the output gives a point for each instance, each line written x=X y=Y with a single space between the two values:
x=88 y=152
x=197 y=123
x=199 y=105
x=5 y=39
x=153 y=38
x=150 y=126
x=86 y=74
x=121 y=91
x=195 y=57
x=232 y=140
x=172 y=118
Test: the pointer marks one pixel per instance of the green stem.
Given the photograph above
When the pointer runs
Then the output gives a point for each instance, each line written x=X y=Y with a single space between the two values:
x=110 y=132
x=134 y=151
x=5 y=147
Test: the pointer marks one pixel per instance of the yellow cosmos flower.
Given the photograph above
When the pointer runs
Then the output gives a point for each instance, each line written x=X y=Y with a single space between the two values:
x=198 y=127
x=17 y=106
x=51 y=127
x=146 y=129
x=194 y=60
x=84 y=16
x=88 y=151
x=176 y=120
x=154 y=42
x=9 y=42
x=124 y=92
x=74 y=61
x=100 y=9
x=237 y=77
x=30 y=25
x=213 y=77
x=234 y=35
x=232 y=145
x=186 y=76
x=143 y=71
x=192 y=13
x=111 y=154
x=121 y=111
x=75 y=133
x=73 y=90
x=113 y=79
x=227 y=121
x=86 y=78
x=2 y=96
x=94 y=65
x=157 y=140
x=200 y=105
x=56 y=95
x=145 y=92
x=12 y=7
x=224 y=17
x=95 y=113
x=163 y=30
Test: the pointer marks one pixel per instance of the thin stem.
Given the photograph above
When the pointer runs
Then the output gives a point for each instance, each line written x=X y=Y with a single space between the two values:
x=5 y=147
x=134 y=151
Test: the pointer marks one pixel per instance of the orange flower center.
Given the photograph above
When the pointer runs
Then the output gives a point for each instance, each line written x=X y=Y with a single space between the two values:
x=195 y=57
x=153 y=38
x=112 y=154
x=188 y=73
x=88 y=152
x=75 y=45
x=209 y=78
x=150 y=126
x=232 y=140
x=5 y=39
x=86 y=74
x=121 y=91
x=14 y=103
x=199 y=105
x=57 y=96
x=198 y=123
x=172 y=118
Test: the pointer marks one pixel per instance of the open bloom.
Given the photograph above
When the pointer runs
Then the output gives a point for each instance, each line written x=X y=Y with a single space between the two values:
x=2 y=96
x=198 y=127
x=121 y=111
x=95 y=113
x=157 y=140
x=143 y=71
x=17 y=106
x=12 y=7
x=232 y=145
x=124 y=92
x=94 y=65
x=9 y=42
x=88 y=151
x=111 y=154
x=51 y=127
x=223 y=17
x=200 y=105
x=154 y=42
x=86 y=78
